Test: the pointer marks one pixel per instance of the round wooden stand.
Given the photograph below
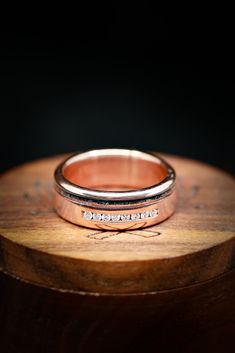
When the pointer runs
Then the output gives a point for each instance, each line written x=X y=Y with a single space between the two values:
x=74 y=289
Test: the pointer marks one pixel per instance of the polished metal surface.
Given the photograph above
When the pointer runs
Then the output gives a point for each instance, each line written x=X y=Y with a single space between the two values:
x=114 y=181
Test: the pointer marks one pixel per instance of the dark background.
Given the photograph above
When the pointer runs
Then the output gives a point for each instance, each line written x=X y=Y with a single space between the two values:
x=153 y=84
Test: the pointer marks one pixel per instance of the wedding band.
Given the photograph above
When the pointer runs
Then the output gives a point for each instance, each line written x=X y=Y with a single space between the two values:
x=115 y=189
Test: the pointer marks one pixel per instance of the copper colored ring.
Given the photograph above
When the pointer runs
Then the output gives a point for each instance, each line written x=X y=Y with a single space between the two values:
x=115 y=189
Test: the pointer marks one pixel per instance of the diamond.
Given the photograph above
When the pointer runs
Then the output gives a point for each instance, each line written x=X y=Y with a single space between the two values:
x=125 y=217
x=105 y=217
x=135 y=216
x=144 y=214
x=153 y=213
x=87 y=215
x=96 y=216
x=115 y=217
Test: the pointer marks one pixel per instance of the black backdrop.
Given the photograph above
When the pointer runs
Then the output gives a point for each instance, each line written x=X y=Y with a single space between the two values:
x=155 y=89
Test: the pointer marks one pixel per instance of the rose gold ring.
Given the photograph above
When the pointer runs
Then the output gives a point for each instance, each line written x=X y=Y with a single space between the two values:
x=114 y=189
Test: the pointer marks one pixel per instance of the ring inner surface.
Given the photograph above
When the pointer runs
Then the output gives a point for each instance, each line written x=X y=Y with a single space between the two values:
x=115 y=173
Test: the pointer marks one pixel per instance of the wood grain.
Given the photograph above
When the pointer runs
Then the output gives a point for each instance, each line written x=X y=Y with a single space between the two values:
x=196 y=244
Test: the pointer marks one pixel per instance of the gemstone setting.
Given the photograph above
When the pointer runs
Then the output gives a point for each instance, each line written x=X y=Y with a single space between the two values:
x=153 y=213
x=125 y=217
x=119 y=217
x=115 y=217
x=135 y=216
x=87 y=215
x=105 y=217
x=96 y=216
x=144 y=215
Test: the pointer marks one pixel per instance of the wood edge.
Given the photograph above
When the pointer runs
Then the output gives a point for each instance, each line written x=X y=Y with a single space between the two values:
x=103 y=294
x=225 y=249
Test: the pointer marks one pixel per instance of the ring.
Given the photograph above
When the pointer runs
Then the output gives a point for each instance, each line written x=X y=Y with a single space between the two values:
x=115 y=189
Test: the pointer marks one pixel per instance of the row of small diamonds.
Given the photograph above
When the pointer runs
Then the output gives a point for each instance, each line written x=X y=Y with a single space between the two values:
x=124 y=217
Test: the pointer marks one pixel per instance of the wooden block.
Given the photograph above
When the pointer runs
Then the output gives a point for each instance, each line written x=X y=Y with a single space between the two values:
x=167 y=288
x=195 y=245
